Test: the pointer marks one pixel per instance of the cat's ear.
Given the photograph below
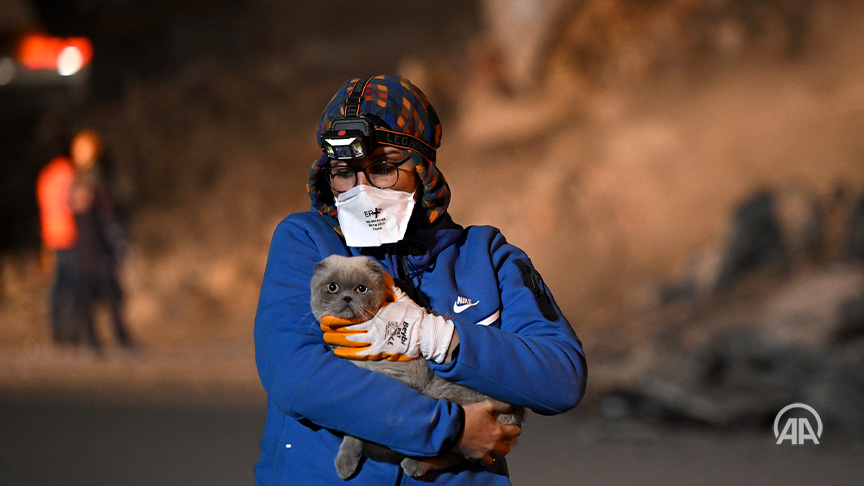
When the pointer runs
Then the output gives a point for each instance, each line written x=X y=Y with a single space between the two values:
x=386 y=281
x=322 y=265
x=375 y=267
x=379 y=272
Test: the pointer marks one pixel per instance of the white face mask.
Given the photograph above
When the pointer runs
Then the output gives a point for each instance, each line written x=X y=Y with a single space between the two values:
x=369 y=216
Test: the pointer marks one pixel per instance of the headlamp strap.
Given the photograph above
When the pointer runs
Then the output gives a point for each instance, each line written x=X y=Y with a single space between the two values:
x=352 y=103
x=405 y=141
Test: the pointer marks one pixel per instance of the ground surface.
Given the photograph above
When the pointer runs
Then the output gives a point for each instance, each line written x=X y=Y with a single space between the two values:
x=54 y=440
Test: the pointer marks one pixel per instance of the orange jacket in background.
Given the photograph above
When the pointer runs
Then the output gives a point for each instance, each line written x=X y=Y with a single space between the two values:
x=52 y=193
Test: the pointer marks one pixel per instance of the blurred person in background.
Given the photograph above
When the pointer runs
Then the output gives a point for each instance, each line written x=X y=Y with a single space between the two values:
x=101 y=245
x=59 y=236
x=503 y=336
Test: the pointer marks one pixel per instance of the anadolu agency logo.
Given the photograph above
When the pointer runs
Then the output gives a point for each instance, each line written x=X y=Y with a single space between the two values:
x=797 y=429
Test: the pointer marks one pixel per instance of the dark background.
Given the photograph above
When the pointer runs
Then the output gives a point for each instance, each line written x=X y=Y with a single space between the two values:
x=687 y=176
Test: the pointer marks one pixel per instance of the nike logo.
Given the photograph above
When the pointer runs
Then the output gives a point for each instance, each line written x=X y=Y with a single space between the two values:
x=463 y=303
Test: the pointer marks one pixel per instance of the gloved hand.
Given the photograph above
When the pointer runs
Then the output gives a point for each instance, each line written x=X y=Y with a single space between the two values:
x=400 y=331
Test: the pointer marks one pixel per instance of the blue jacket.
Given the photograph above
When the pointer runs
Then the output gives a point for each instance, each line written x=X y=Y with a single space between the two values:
x=515 y=345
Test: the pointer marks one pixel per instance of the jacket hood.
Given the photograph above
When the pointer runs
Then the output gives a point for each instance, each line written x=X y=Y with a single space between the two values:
x=398 y=105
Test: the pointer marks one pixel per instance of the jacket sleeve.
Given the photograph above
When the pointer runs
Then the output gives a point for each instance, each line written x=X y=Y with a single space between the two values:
x=309 y=383
x=534 y=359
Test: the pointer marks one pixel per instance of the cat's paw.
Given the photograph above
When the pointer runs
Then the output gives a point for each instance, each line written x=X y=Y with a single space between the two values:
x=418 y=467
x=349 y=457
x=415 y=467
x=346 y=467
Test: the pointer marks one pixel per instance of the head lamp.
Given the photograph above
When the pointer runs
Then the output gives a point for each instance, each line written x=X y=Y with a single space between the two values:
x=356 y=137
x=356 y=134
x=349 y=138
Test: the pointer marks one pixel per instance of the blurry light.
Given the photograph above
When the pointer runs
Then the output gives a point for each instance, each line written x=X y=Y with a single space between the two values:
x=70 y=61
x=7 y=71
x=38 y=52
x=66 y=55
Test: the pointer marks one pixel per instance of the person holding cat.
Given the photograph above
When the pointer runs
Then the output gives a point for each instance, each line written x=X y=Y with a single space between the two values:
x=470 y=303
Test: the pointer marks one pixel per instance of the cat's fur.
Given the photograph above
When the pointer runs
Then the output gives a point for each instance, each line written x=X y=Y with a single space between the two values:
x=354 y=288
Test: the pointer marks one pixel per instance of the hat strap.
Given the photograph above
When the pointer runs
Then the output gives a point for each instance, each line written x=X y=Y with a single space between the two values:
x=352 y=103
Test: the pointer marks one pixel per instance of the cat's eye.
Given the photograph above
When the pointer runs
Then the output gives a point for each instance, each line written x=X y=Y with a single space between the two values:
x=332 y=287
x=362 y=289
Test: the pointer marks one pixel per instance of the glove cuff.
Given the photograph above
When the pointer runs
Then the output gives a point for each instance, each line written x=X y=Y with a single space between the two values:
x=435 y=336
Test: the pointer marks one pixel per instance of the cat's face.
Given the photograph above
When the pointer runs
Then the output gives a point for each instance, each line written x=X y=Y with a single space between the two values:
x=348 y=287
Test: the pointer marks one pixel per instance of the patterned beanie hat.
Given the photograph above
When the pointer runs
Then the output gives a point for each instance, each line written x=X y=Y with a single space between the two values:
x=395 y=106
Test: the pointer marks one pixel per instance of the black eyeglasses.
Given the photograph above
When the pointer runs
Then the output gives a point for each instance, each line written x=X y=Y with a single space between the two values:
x=380 y=174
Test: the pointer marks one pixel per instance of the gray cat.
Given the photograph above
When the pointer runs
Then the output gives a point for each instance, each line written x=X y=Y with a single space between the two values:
x=354 y=288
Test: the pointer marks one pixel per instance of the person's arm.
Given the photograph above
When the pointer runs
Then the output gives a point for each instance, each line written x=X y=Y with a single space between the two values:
x=307 y=381
x=534 y=359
